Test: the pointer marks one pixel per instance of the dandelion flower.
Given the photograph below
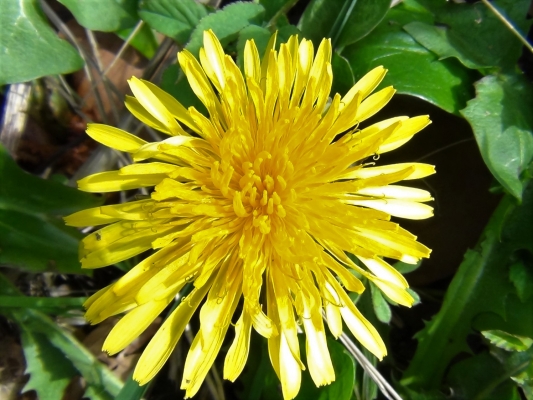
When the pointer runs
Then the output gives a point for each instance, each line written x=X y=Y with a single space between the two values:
x=261 y=201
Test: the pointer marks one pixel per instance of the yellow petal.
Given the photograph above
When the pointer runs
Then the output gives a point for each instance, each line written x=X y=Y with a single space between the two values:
x=397 y=208
x=215 y=56
x=419 y=171
x=374 y=103
x=148 y=169
x=162 y=344
x=154 y=106
x=89 y=217
x=290 y=371
x=113 y=181
x=132 y=325
x=396 y=293
x=115 y=138
x=396 y=192
x=366 y=84
x=384 y=271
x=238 y=352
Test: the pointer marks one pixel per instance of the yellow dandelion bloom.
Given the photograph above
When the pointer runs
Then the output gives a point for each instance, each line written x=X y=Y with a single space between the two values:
x=261 y=201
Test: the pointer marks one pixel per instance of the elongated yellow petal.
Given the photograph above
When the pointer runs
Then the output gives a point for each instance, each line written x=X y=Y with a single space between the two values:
x=115 y=138
x=238 y=352
x=113 y=181
x=132 y=325
x=162 y=344
x=374 y=103
x=398 y=208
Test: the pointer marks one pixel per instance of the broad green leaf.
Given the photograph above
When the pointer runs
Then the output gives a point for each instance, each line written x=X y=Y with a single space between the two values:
x=96 y=374
x=343 y=78
x=364 y=17
x=479 y=286
x=446 y=83
x=507 y=341
x=37 y=243
x=473 y=33
x=27 y=193
x=175 y=19
x=344 y=21
x=260 y=36
x=342 y=387
x=522 y=278
x=50 y=371
x=480 y=377
x=516 y=319
x=273 y=7
x=502 y=122
x=381 y=307
x=29 y=48
x=144 y=40
x=103 y=15
x=226 y=23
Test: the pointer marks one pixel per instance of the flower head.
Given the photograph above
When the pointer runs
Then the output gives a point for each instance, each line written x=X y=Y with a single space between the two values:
x=260 y=201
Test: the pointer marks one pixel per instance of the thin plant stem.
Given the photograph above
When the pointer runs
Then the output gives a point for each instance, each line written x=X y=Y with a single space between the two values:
x=508 y=24
x=385 y=388
x=124 y=47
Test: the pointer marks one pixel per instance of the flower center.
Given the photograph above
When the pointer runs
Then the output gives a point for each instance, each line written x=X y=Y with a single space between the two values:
x=262 y=190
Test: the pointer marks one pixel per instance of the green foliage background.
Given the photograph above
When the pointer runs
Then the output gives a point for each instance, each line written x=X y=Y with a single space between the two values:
x=461 y=58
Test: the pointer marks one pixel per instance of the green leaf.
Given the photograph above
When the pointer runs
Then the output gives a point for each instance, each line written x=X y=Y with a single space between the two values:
x=381 y=307
x=175 y=19
x=44 y=304
x=226 y=23
x=344 y=21
x=27 y=193
x=522 y=278
x=507 y=341
x=144 y=40
x=272 y=7
x=39 y=244
x=30 y=49
x=446 y=83
x=96 y=374
x=473 y=33
x=482 y=377
x=502 y=122
x=103 y=15
x=365 y=16
x=30 y=237
x=435 y=38
x=479 y=286
x=343 y=78
x=50 y=371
